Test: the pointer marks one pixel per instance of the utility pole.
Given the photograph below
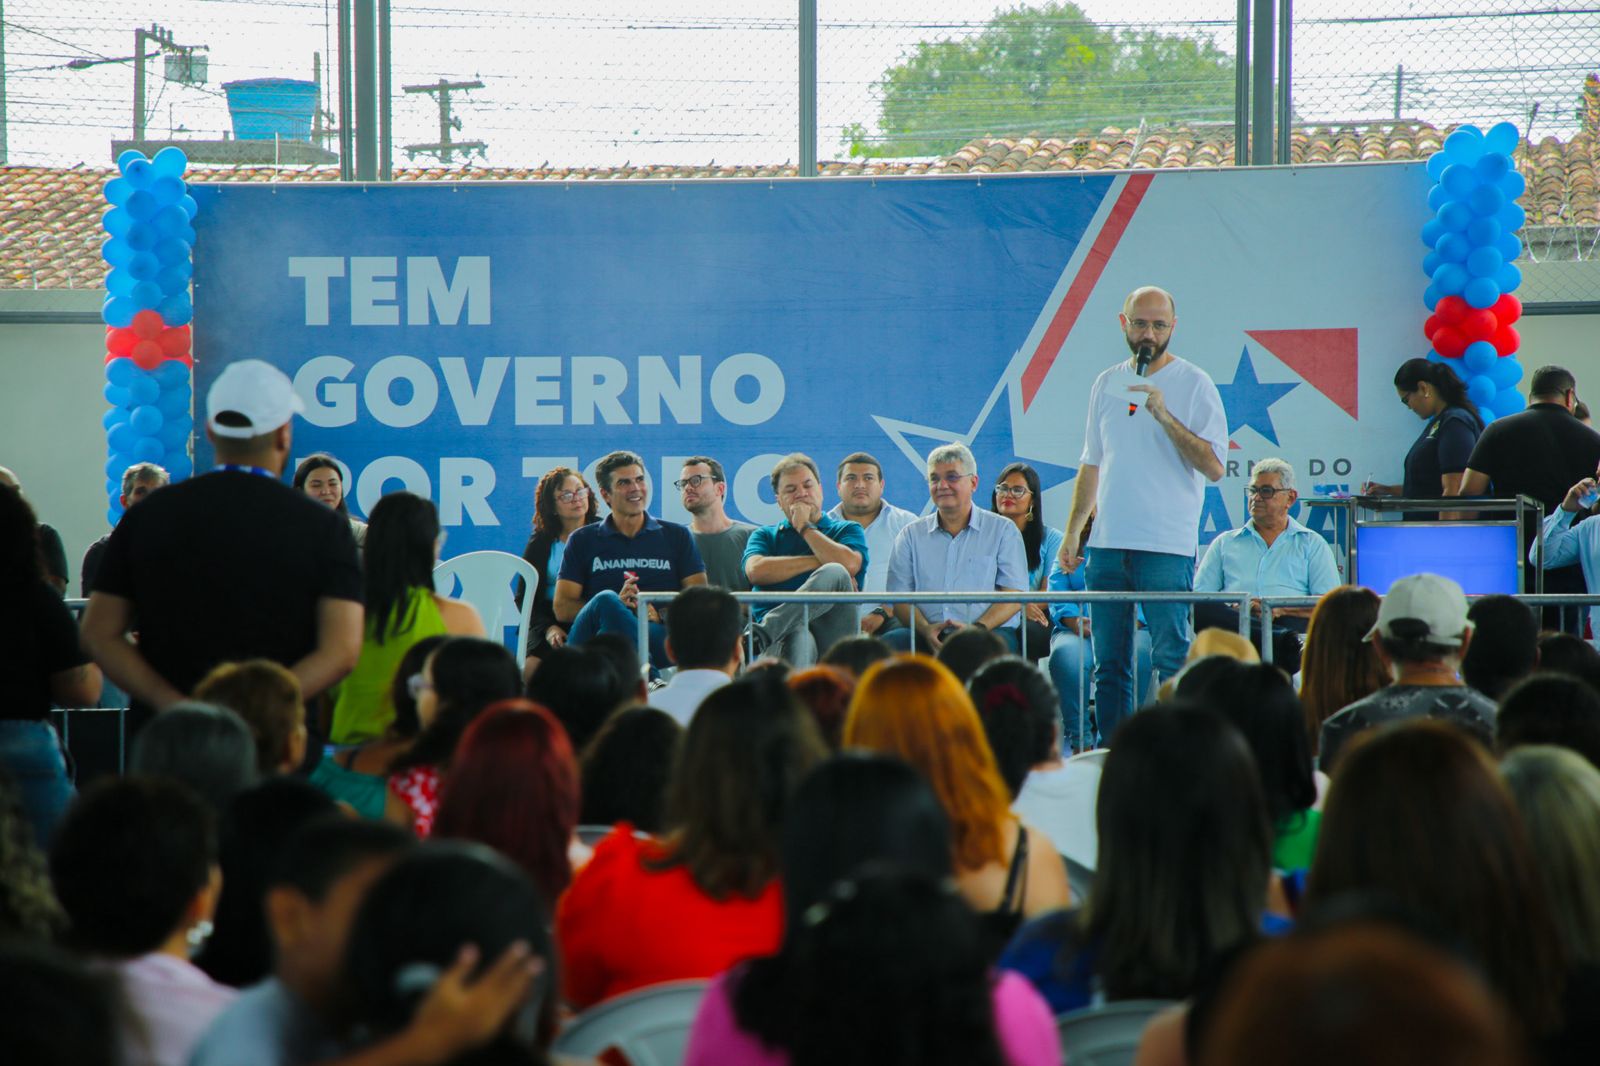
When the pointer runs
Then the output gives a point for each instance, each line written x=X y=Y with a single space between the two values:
x=445 y=148
x=1399 y=89
x=162 y=39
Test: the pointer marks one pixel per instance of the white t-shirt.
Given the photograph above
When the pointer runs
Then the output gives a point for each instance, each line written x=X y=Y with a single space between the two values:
x=1150 y=498
x=1060 y=803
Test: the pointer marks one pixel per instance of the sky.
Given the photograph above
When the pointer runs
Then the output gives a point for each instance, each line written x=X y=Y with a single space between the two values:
x=607 y=82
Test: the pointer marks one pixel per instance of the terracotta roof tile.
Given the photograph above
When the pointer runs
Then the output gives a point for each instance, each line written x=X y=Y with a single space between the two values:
x=51 y=235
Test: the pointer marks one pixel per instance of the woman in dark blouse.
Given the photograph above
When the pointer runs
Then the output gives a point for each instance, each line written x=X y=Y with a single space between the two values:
x=562 y=503
x=1437 y=461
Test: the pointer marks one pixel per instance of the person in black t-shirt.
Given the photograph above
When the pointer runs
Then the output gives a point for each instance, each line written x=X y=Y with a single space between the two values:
x=1540 y=452
x=229 y=565
x=1436 y=464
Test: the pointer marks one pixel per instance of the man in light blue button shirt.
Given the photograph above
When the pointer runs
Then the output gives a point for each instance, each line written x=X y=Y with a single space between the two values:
x=957 y=548
x=1270 y=555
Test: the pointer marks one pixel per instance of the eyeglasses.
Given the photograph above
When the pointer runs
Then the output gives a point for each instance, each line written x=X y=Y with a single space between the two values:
x=1157 y=326
x=416 y=685
x=573 y=496
x=1405 y=398
x=1015 y=492
x=693 y=481
x=1265 y=492
x=951 y=478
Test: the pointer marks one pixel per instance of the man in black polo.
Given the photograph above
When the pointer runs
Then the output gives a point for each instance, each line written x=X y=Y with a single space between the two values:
x=1540 y=452
x=230 y=565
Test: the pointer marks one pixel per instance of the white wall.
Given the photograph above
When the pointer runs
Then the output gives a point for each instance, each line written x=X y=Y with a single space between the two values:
x=1572 y=341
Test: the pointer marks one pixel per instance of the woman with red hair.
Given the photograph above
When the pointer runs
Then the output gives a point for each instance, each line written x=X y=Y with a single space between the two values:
x=513 y=785
x=914 y=707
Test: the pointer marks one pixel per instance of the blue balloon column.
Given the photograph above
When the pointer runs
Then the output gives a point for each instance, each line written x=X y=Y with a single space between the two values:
x=147 y=312
x=1473 y=245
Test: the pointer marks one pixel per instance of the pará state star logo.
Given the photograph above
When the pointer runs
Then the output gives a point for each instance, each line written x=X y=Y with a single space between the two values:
x=1248 y=400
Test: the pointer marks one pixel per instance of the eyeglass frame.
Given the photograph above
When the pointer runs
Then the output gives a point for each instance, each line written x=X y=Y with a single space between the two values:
x=1264 y=492
x=417 y=684
x=1015 y=492
x=573 y=495
x=694 y=481
x=1156 y=326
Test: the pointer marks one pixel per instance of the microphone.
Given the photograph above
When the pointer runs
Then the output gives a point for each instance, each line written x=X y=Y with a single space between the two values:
x=1141 y=364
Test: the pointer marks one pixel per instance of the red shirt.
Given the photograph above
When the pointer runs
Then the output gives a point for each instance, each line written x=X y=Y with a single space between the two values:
x=621 y=926
x=418 y=789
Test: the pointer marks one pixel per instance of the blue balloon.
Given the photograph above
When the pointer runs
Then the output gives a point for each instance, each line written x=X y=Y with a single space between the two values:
x=174 y=279
x=126 y=158
x=1458 y=181
x=179 y=466
x=117 y=191
x=1506 y=372
x=120 y=282
x=117 y=465
x=1485 y=262
x=142 y=205
x=1455 y=216
x=1453 y=248
x=1431 y=297
x=115 y=251
x=175 y=434
x=142 y=266
x=1430 y=263
x=1486 y=200
x=1509 y=277
x=1438 y=196
x=113 y=487
x=1492 y=167
x=147 y=420
x=1513 y=185
x=1512 y=217
x=171 y=221
x=122 y=438
x=175 y=402
x=147 y=450
x=113 y=515
x=138 y=173
x=1480 y=292
x=170 y=162
x=171 y=250
x=117 y=222
x=171 y=374
x=117 y=396
x=115 y=416
x=1465 y=145
x=1510 y=246
x=121 y=371
x=168 y=191
x=1502 y=138
x=143 y=390
x=176 y=309
x=1435 y=357
x=1481 y=390
x=147 y=294
x=1432 y=230
x=1450 y=278
x=189 y=206
x=118 y=311
x=1509 y=402
x=1479 y=358
x=1436 y=164
x=187 y=235
x=143 y=238
x=1482 y=231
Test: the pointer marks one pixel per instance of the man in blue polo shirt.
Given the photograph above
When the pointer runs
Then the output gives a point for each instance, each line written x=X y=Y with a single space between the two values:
x=1270 y=555
x=607 y=564
x=809 y=551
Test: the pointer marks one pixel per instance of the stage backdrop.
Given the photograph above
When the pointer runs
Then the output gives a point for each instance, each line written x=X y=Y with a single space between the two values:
x=458 y=340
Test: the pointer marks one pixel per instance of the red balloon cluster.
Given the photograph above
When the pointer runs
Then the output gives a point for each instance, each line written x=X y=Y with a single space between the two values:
x=149 y=341
x=1455 y=324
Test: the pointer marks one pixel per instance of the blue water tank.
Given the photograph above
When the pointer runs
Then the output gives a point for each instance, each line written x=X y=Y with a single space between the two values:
x=265 y=108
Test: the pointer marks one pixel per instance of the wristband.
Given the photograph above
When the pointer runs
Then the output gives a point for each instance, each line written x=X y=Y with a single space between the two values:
x=882 y=612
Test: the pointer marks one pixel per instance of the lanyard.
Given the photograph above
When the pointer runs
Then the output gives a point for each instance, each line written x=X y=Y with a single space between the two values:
x=238 y=468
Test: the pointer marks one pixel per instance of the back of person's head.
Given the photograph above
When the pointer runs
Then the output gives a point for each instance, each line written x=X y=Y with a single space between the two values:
x=253 y=832
x=825 y=691
x=1362 y=993
x=746 y=749
x=1550 y=708
x=406 y=723
x=58 y=1011
x=1185 y=851
x=1021 y=712
x=324 y=849
x=267 y=696
x=1550 y=381
x=1505 y=644
x=1568 y=653
x=703 y=628
x=856 y=654
x=1260 y=702
x=415 y=921
x=398 y=556
x=208 y=748
x=1557 y=792
x=1423 y=619
x=580 y=688
x=968 y=648
x=1338 y=665
x=20 y=561
x=514 y=786
x=914 y=708
x=626 y=768
x=469 y=674
x=890 y=968
x=1222 y=643
x=623 y=655
x=28 y=907
x=1418 y=813
x=129 y=860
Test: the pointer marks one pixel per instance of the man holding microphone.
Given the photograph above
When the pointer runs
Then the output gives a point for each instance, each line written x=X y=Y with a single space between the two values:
x=1156 y=434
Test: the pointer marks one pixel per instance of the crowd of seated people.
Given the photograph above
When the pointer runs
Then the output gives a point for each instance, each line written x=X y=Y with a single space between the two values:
x=882 y=857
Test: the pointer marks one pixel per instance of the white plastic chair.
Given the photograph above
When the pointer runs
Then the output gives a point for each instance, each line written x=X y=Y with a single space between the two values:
x=1107 y=1035
x=650 y=1027
x=487 y=581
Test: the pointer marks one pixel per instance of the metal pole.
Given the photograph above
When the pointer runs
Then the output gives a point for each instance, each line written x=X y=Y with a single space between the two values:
x=1241 y=85
x=366 y=90
x=1285 y=79
x=808 y=88
x=2 y=83
x=1399 y=89
x=385 y=88
x=1262 y=144
x=138 y=84
x=346 y=114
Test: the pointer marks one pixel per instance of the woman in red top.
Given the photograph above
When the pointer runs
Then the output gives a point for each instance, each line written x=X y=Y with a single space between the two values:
x=706 y=895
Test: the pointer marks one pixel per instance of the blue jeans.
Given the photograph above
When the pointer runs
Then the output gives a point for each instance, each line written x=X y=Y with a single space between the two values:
x=1072 y=671
x=30 y=751
x=1126 y=570
x=606 y=613
x=900 y=639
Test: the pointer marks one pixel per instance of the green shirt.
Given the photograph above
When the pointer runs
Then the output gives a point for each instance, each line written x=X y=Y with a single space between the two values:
x=1296 y=840
x=365 y=706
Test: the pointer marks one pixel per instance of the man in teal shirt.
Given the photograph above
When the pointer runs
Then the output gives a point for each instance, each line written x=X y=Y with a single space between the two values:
x=809 y=551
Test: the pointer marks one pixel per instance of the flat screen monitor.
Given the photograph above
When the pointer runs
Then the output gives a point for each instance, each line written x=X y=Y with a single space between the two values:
x=1481 y=558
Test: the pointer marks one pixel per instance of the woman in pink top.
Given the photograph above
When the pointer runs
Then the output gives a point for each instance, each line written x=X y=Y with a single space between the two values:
x=882 y=961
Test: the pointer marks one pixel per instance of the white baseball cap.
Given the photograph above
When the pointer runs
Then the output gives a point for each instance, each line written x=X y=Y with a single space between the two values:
x=1435 y=601
x=255 y=391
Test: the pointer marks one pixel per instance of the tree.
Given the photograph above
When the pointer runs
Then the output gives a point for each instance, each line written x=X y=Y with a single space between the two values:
x=1043 y=69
